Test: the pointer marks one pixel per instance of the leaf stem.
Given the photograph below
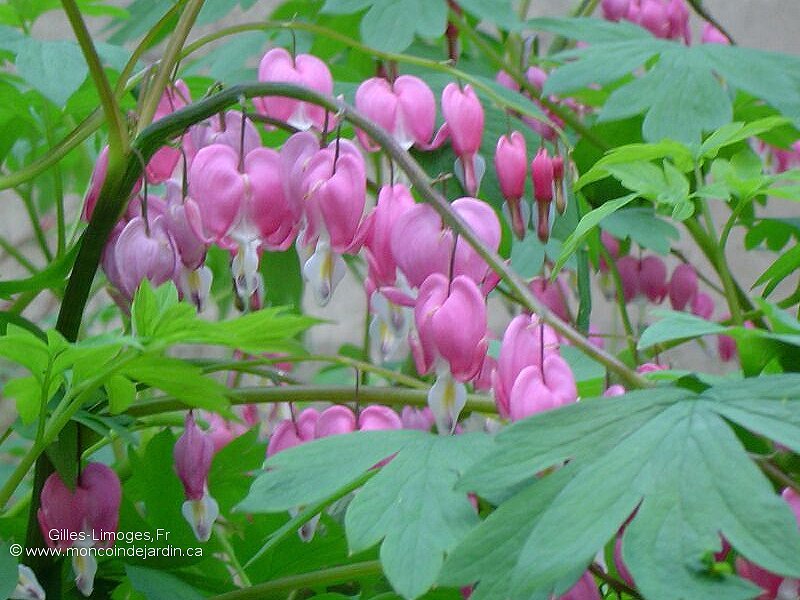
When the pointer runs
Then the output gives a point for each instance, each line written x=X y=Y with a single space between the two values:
x=279 y=588
x=117 y=131
x=308 y=513
x=697 y=6
x=167 y=64
x=630 y=336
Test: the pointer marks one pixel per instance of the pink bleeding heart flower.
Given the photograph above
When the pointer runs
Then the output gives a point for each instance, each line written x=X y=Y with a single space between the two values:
x=405 y=108
x=96 y=185
x=552 y=295
x=183 y=221
x=682 y=286
x=417 y=418
x=223 y=129
x=537 y=389
x=451 y=337
x=678 y=17
x=703 y=305
x=511 y=164
x=712 y=35
x=193 y=454
x=339 y=419
x=614 y=390
x=141 y=252
x=628 y=269
x=584 y=589
x=278 y=66
x=543 y=187
x=615 y=10
x=463 y=115
x=526 y=342
x=163 y=162
x=293 y=432
x=451 y=323
x=421 y=245
x=654 y=16
x=507 y=81
x=646 y=368
x=221 y=431
x=482 y=382
x=393 y=202
x=560 y=183
x=335 y=197
x=726 y=348
x=86 y=514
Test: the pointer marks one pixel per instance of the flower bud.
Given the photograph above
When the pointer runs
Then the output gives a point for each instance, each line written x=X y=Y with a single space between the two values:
x=193 y=453
x=464 y=119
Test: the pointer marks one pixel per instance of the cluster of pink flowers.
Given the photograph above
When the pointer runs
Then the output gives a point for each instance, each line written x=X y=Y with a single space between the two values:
x=668 y=19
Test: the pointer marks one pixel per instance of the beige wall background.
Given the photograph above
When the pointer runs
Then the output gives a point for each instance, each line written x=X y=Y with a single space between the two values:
x=766 y=24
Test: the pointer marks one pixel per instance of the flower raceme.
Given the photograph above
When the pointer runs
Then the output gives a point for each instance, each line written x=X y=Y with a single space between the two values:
x=87 y=517
x=193 y=454
x=406 y=108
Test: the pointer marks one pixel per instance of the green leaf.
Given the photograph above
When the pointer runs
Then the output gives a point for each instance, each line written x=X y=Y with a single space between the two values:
x=680 y=95
x=733 y=133
x=592 y=30
x=784 y=265
x=121 y=393
x=311 y=472
x=664 y=450
x=178 y=379
x=489 y=552
x=8 y=571
x=157 y=585
x=633 y=153
x=345 y=7
x=642 y=226
x=674 y=325
x=411 y=505
x=499 y=12
x=390 y=25
x=55 y=68
x=586 y=225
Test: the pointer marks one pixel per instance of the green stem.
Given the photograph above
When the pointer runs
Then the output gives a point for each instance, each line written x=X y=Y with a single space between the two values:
x=12 y=251
x=716 y=256
x=630 y=336
x=279 y=588
x=697 y=6
x=171 y=56
x=233 y=561
x=147 y=42
x=346 y=361
x=33 y=215
x=117 y=131
x=58 y=189
x=337 y=394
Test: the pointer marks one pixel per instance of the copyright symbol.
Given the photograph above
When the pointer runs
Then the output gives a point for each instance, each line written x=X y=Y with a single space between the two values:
x=15 y=549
